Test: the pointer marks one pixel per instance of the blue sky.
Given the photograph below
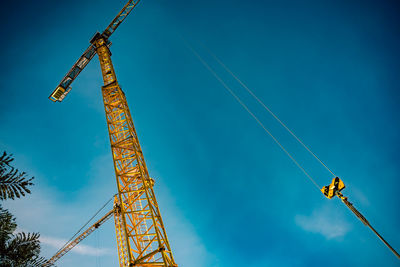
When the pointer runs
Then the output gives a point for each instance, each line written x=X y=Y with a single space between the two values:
x=228 y=195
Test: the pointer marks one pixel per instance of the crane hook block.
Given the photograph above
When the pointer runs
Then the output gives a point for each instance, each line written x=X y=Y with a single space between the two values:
x=335 y=187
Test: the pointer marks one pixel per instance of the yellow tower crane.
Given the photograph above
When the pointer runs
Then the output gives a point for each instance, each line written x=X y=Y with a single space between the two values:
x=141 y=236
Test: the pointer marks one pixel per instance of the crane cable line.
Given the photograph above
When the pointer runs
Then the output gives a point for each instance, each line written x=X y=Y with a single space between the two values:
x=251 y=114
x=91 y=218
x=268 y=109
x=329 y=191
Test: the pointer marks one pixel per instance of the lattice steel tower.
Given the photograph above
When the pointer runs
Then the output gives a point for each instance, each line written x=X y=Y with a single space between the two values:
x=141 y=235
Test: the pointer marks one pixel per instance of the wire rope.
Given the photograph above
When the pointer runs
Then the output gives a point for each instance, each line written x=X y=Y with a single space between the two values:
x=251 y=114
x=85 y=224
x=268 y=109
x=344 y=199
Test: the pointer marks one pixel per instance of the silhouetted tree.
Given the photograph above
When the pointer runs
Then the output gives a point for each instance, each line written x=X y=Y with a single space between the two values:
x=12 y=182
x=16 y=249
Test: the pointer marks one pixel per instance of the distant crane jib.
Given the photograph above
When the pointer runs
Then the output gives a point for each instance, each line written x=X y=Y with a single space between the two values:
x=77 y=240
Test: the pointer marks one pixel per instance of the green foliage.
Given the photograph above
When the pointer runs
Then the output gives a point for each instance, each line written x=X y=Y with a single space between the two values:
x=16 y=249
x=7 y=225
x=13 y=184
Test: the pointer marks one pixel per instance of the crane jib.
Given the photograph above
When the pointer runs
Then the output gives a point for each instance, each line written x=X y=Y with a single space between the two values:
x=120 y=18
x=65 y=85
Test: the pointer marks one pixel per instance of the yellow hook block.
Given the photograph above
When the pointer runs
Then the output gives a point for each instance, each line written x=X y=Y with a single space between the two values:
x=335 y=187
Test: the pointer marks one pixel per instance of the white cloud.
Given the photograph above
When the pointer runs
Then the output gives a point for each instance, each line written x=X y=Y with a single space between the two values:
x=325 y=222
x=184 y=239
x=79 y=249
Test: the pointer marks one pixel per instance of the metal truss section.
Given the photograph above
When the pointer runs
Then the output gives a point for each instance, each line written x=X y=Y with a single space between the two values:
x=120 y=17
x=64 y=87
x=141 y=224
x=123 y=252
x=76 y=241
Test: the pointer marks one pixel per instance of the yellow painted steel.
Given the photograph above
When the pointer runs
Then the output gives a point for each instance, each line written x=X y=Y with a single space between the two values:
x=119 y=233
x=141 y=236
x=335 y=187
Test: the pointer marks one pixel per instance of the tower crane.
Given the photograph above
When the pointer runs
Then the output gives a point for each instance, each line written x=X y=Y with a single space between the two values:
x=141 y=235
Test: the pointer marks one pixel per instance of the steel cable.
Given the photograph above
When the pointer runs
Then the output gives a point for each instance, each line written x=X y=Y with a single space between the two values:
x=251 y=114
x=85 y=225
x=268 y=109
x=344 y=199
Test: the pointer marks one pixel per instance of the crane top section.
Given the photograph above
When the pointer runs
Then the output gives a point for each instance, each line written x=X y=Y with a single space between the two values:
x=64 y=86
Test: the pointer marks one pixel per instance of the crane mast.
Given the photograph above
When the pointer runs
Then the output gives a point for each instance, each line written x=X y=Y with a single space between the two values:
x=143 y=239
x=140 y=231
